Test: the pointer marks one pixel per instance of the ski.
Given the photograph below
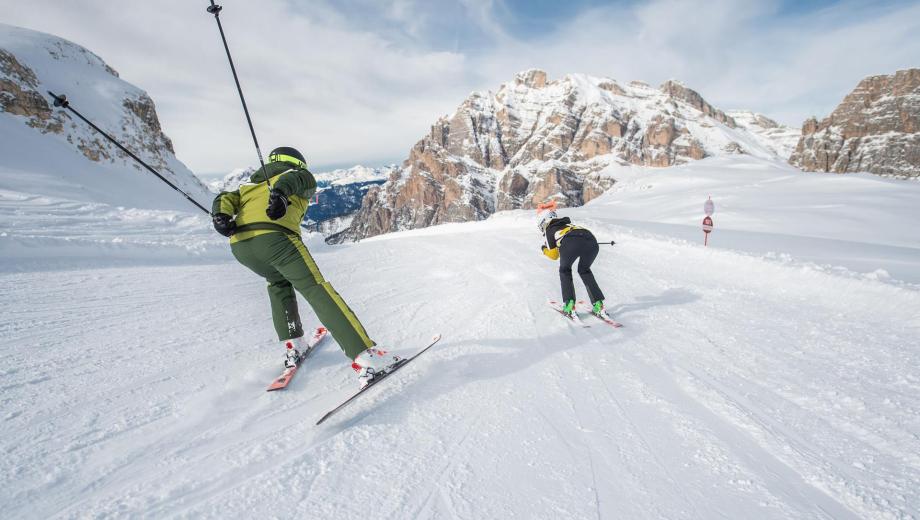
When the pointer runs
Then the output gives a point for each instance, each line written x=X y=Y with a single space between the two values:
x=281 y=382
x=574 y=318
x=377 y=380
x=603 y=317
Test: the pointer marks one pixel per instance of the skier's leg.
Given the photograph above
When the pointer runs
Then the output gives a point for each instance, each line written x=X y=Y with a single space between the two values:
x=567 y=256
x=285 y=315
x=296 y=264
x=589 y=249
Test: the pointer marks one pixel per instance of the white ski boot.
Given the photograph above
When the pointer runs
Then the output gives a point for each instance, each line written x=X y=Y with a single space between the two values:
x=292 y=349
x=373 y=363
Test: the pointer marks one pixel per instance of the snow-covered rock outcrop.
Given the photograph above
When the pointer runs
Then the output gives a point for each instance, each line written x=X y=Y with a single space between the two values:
x=875 y=129
x=46 y=151
x=778 y=138
x=535 y=139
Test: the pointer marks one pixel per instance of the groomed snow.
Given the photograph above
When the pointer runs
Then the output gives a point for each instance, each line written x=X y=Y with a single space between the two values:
x=746 y=383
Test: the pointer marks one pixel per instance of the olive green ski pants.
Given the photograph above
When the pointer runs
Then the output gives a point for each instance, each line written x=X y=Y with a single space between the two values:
x=284 y=261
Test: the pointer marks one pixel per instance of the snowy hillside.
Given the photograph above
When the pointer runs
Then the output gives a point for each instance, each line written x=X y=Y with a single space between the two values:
x=771 y=375
x=66 y=194
x=75 y=162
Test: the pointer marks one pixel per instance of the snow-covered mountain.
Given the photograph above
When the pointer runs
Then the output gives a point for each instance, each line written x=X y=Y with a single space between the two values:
x=535 y=139
x=355 y=175
x=876 y=128
x=48 y=151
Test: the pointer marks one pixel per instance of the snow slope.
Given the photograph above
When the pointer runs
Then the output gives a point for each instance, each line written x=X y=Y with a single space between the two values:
x=745 y=384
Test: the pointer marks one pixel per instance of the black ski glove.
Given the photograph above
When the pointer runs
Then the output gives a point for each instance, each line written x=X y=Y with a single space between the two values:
x=277 y=204
x=223 y=224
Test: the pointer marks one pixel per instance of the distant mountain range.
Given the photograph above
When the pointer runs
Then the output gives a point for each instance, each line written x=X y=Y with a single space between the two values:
x=531 y=140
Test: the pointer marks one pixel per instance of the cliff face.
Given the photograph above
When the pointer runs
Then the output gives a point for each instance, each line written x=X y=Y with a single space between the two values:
x=535 y=139
x=875 y=129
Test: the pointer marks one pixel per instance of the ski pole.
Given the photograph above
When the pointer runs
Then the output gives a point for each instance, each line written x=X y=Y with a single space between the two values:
x=215 y=10
x=61 y=101
x=611 y=243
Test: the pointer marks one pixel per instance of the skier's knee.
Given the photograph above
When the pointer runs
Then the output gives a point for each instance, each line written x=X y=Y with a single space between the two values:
x=279 y=284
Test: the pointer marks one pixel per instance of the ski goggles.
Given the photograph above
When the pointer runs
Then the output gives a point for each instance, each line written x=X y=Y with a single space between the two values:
x=288 y=159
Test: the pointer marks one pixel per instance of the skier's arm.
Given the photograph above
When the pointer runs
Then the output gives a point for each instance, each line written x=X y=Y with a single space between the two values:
x=298 y=182
x=549 y=248
x=227 y=203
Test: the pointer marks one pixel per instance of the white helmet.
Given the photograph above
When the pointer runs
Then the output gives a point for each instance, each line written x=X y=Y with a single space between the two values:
x=544 y=218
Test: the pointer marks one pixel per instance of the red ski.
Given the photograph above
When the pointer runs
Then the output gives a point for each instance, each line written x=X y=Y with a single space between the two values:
x=603 y=316
x=574 y=318
x=282 y=381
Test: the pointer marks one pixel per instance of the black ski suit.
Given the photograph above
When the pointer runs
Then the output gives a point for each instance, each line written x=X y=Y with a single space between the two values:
x=567 y=243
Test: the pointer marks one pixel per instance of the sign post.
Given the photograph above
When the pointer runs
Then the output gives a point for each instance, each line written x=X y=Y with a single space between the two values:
x=709 y=208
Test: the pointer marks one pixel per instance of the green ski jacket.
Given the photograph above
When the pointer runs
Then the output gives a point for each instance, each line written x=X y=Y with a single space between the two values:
x=248 y=203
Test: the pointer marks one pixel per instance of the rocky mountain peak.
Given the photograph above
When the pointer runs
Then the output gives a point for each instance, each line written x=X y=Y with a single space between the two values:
x=876 y=128
x=676 y=90
x=533 y=78
x=536 y=139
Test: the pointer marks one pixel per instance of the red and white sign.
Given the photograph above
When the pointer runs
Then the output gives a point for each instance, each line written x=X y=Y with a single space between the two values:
x=707 y=224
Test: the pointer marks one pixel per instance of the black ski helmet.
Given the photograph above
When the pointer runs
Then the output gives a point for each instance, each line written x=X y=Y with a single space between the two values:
x=288 y=155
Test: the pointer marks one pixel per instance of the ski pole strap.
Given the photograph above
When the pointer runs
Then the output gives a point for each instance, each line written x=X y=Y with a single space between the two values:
x=266 y=226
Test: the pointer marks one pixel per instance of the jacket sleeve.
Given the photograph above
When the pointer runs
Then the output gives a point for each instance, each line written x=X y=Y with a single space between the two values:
x=227 y=202
x=552 y=254
x=551 y=237
x=297 y=182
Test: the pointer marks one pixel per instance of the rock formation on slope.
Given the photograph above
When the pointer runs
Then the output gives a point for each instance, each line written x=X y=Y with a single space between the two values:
x=535 y=139
x=875 y=129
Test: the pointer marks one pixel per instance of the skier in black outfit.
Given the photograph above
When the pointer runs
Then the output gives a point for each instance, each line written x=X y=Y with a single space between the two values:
x=567 y=243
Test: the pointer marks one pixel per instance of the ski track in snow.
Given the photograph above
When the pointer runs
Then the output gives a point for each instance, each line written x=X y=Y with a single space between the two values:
x=738 y=388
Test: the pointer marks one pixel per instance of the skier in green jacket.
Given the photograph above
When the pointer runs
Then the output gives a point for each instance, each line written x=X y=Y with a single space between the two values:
x=262 y=219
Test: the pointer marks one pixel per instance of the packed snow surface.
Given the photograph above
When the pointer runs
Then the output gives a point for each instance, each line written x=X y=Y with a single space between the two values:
x=774 y=374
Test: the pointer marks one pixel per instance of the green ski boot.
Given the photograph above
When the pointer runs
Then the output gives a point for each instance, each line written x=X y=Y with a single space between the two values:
x=569 y=308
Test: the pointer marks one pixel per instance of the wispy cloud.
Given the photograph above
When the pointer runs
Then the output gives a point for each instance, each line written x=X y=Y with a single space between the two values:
x=361 y=80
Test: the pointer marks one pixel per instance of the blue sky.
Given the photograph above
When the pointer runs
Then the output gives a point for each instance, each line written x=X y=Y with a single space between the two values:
x=360 y=81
